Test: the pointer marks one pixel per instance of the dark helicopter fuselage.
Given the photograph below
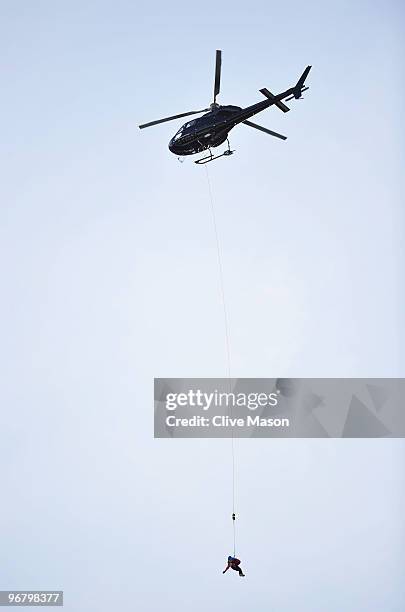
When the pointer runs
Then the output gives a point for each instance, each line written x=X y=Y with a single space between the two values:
x=212 y=129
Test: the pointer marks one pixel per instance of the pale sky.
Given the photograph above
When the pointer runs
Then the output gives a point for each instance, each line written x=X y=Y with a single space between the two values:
x=109 y=278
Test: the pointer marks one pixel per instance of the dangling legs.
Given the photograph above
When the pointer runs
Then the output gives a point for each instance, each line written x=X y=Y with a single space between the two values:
x=236 y=567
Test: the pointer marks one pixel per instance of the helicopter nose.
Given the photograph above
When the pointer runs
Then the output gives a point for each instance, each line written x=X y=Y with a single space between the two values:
x=174 y=145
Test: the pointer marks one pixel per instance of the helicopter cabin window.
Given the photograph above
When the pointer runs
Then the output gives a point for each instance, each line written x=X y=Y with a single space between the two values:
x=184 y=128
x=178 y=134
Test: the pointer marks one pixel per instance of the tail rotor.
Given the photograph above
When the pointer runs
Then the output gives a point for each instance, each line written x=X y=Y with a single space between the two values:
x=299 y=88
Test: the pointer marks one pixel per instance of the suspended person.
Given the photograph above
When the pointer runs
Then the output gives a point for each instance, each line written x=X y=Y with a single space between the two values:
x=234 y=564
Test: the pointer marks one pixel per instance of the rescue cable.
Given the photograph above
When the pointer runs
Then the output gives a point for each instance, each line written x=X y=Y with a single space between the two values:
x=227 y=345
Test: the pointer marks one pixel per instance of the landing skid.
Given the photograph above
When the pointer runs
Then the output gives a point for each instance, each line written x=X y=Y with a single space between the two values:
x=211 y=157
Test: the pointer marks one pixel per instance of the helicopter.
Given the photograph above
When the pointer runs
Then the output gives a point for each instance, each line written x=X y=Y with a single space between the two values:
x=212 y=129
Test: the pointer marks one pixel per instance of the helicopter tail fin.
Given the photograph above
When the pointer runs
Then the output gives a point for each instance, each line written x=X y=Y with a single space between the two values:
x=299 y=88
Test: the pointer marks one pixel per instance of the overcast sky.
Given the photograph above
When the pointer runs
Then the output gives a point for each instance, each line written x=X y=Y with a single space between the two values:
x=109 y=278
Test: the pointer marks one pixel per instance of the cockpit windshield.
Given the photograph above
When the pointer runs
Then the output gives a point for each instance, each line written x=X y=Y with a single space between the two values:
x=178 y=134
x=184 y=129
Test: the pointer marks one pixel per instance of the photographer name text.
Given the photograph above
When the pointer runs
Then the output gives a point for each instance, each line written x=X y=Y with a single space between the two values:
x=225 y=421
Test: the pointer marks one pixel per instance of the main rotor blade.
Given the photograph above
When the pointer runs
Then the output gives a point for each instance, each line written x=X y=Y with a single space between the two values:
x=217 y=84
x=262 y=129
x=144 y=125
x=271 y=96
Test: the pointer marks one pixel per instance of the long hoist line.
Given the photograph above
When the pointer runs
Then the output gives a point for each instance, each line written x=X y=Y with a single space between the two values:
x=227 y=344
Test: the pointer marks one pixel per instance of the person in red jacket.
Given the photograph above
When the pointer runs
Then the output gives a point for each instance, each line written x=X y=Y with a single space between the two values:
x=234 y=564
